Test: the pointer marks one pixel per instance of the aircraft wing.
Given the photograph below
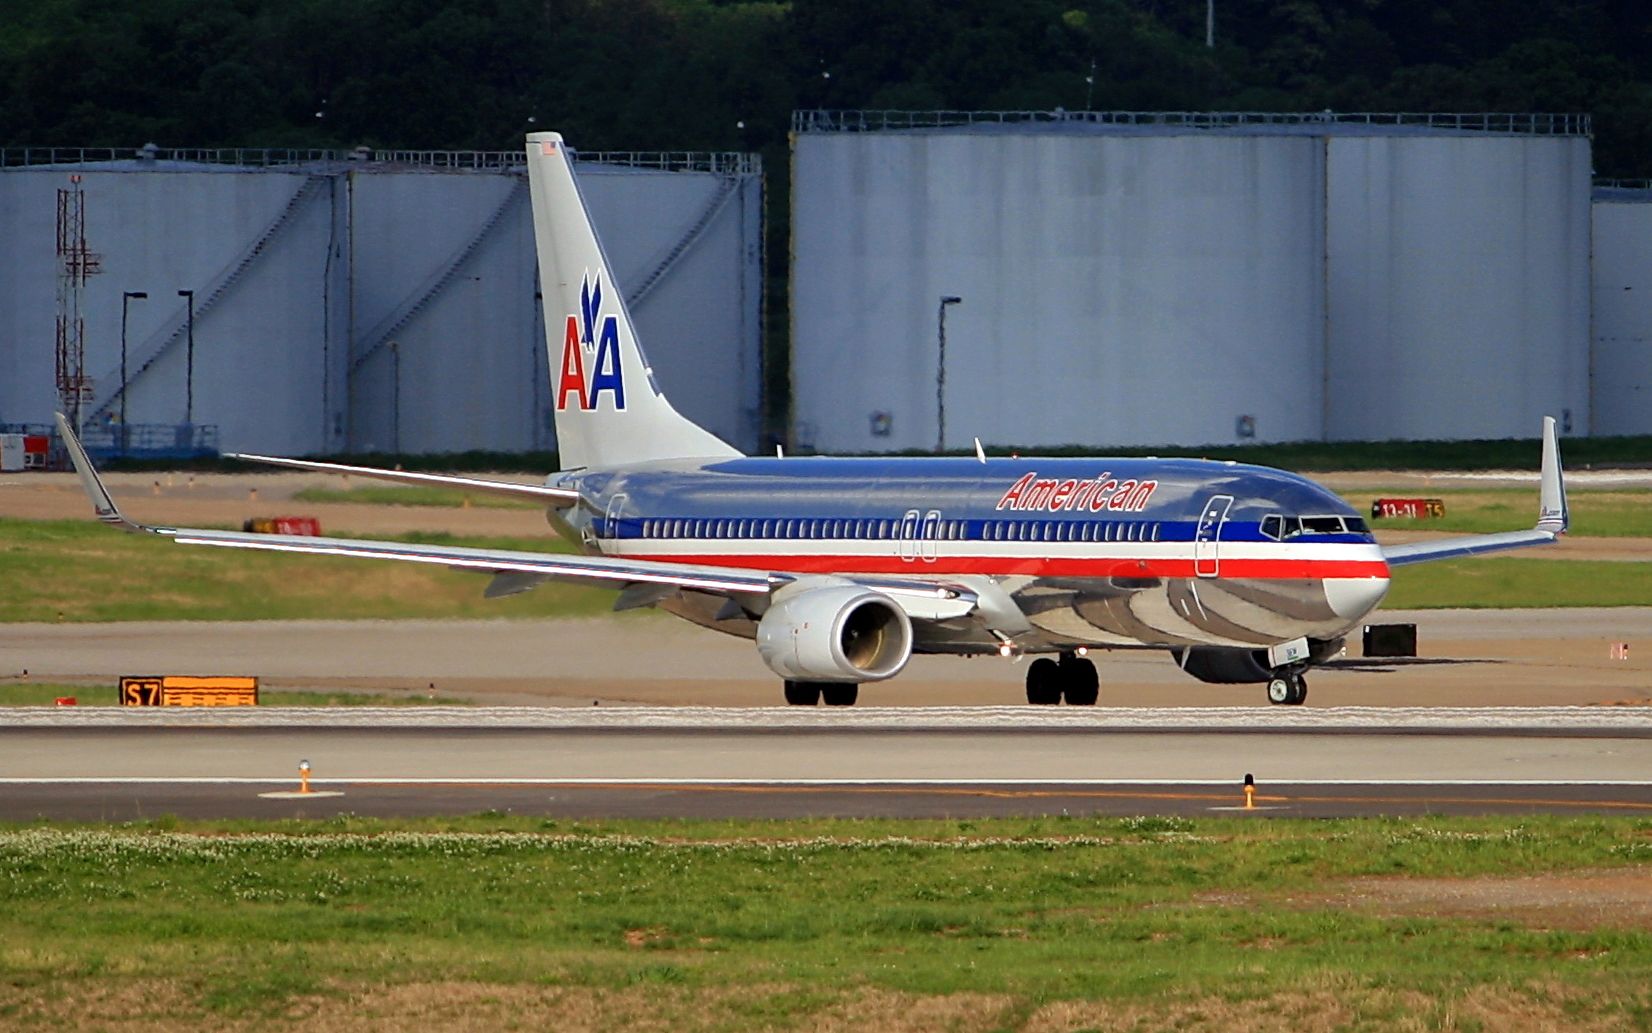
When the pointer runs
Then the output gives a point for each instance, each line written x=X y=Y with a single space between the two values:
x=601 y=570
x=515 y=571
x=556 y=497
x=1553 y=517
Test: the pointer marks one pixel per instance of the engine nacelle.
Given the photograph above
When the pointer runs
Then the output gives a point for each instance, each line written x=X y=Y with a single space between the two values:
x=842 y=633
x=1226 y=666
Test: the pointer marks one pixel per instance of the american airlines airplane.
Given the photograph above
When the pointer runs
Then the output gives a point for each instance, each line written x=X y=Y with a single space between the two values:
x=841 y=568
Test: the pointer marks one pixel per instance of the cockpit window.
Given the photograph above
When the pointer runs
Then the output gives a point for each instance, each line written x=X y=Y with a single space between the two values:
x=1280 y=528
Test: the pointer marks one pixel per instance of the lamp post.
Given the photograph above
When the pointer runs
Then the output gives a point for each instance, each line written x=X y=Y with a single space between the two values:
x=189 y=360
x=395 y=397
x=940 y=372
x=125 y=298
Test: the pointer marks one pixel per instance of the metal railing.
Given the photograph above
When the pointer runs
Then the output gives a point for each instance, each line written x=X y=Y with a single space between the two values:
x=151 y=440
x=719 y=162
x=1537 y=123
x=1623 y=184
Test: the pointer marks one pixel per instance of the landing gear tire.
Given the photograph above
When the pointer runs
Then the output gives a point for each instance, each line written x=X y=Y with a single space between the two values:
x=803 y=693
x=840 y=695
x=1289 y=690
x=1044 y=682
x=1080 y=682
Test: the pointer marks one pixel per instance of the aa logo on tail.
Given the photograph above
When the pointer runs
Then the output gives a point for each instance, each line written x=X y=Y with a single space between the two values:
x=590 y=340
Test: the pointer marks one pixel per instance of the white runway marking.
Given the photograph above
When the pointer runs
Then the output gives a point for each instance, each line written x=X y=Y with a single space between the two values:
x=1630 y=720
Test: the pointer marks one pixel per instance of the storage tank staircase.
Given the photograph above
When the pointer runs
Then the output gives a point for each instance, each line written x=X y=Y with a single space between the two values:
x=175 y=330
x=428 y=291
x=726 y=190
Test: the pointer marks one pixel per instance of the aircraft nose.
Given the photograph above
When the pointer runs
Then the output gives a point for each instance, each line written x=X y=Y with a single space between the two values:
x=1354 y=597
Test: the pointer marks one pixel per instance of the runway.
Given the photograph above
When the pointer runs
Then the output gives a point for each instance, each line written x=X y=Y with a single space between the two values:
x=116 y=765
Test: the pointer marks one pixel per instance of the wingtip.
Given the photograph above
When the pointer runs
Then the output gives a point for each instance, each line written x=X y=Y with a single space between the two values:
x=1553 y=516
x=103 y=504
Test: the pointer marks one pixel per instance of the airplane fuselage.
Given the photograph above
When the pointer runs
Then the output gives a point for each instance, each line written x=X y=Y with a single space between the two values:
x=1072 y=552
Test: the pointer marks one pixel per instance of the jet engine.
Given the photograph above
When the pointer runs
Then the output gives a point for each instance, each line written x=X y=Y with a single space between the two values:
x=843 y=633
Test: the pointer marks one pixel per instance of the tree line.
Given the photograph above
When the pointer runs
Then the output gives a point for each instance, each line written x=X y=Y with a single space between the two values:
x=726 y=74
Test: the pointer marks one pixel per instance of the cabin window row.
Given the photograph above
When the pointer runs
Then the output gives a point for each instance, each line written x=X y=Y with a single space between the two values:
x=801 y=528
x=927 y=530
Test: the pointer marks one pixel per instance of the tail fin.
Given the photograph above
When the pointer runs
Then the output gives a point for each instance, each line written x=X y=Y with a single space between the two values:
x=609 y=411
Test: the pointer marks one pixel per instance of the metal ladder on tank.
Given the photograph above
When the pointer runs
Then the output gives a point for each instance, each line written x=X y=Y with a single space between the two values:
x=725 y=192
x=174 y=330
x=382 y=334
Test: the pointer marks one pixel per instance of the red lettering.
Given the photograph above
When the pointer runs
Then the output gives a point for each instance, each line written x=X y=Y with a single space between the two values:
x=1098 y=501
x=1063 y=491
x=1012 y=498
x=573 y=369
x=1080 y=497
x=1039 y=496
x=1121 y=498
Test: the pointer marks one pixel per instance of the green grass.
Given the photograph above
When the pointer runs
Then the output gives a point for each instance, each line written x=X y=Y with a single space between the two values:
x=1514 y=454
x=746 y=925
x=1500 y=582
x=1595 y=514
x=80 y=571
x=444 y=497
x=29 y=694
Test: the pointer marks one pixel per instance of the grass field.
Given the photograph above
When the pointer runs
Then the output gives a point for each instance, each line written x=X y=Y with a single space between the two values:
x=383 y=496
x=1513 y=454
x=81 y=571
x=1513 y=582
x=1595 y=514
x=1015 y=924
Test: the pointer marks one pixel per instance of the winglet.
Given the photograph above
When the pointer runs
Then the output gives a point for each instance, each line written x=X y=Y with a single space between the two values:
x=102 y=503
x=1553 y=516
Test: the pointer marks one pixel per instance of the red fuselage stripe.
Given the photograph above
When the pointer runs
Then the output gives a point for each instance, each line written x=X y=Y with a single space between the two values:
x=1034 y=566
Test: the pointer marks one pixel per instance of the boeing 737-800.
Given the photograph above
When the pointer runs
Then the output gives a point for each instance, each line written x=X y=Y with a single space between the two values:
x=842 y=568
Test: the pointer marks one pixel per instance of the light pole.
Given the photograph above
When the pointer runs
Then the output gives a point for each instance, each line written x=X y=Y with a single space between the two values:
x=395 y=397
x=940 y=372
x=189 y=360
x=125 y=298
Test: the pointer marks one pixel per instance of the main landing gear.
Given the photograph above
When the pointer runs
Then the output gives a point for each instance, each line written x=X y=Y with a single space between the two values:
x=834 y=694
x=1073 y=677
x=1288 y=688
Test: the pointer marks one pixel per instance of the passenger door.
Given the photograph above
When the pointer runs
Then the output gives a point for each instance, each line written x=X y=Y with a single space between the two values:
x=908 y=535
x=1207 y=539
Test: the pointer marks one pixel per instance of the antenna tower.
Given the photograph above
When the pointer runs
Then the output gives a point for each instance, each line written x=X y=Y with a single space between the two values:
x=75 y=263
